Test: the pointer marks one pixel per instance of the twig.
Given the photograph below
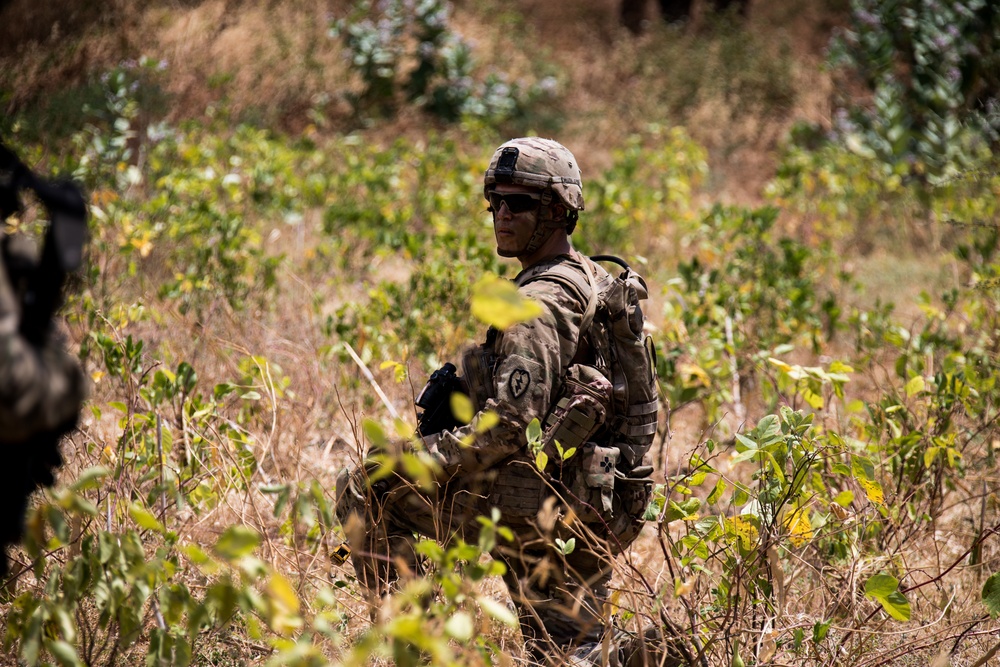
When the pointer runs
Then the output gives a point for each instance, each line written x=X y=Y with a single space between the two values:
x=741 y=411
x=987 y=656
x=159 y=454
x=371 y=380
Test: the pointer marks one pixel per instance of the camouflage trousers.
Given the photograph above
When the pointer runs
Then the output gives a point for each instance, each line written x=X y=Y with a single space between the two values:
x=559 y=597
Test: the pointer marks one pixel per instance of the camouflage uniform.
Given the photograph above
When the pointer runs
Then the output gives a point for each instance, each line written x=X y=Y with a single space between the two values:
x=559 y=597
x=40 y=389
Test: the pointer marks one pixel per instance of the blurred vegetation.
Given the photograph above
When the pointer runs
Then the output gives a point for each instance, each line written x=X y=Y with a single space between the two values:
x=826 y=464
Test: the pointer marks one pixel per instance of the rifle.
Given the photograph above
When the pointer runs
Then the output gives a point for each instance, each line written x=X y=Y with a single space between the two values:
x=40 y=285
x=435 y=401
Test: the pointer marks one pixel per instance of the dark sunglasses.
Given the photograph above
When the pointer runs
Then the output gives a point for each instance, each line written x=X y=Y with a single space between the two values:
x=519 y=202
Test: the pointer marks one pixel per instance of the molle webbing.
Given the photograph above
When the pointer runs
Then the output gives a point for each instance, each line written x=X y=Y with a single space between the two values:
x=614 y=330
x=575 y=428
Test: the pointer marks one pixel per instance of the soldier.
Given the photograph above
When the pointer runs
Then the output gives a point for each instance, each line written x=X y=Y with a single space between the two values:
x=41 y=385
x=558 y=369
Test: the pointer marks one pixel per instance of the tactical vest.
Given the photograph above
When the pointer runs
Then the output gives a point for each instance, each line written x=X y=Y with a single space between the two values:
x=612 y=328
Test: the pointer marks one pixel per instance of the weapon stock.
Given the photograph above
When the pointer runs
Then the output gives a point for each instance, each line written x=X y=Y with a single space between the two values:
x=435 y=401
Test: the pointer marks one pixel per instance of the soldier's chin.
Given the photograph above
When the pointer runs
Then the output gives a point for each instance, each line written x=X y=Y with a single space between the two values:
x=509 y=252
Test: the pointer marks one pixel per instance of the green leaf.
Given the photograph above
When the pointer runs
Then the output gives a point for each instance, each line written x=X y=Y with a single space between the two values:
x=841 y=469
x=567 y=547
x=840 y=367
x=90 y=478
x=534 y=430
x=497 y=302
x=991 y=595
x=498 y=611
x=541 y=460
x=776 y=467
x=64 y=653
x=745 y=442
x=720 y=488
x=769 y=429
x=862 y=468
x=897 y=606
x=374 y=433
x=884 y=589
x=486 y=421
x=145 y=518
x=929 y=455
x=460 y=627
x=844 y=498
x=686 y=510
x=820 y=630
x=196 y=554
x=744 y=456
x=236 y=542
x=431 y=550
x=251 y=395
x=881 y=585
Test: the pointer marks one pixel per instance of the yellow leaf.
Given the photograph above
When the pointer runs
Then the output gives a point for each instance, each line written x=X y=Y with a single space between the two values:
x=497 y=302
x=486 y=421
x=779 y=364
x=812 y=398
x=873 y=490
x=682 y=588
x=840 y=367
x=461 y=407
x=403 y=429
x=695 y=375
x=283 y=605
x=929 y=455
x=542 y=460
x=799 y=529
x=744 y=531
x=915 y=385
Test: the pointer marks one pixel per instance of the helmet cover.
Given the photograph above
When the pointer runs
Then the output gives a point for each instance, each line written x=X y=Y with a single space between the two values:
x=537 y=163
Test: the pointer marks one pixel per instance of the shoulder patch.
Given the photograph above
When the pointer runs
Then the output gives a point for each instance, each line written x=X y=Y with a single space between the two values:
x=520 y=380
x=522 y=386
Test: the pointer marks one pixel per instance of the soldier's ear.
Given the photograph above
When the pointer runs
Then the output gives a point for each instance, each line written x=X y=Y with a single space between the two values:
x=558 y=211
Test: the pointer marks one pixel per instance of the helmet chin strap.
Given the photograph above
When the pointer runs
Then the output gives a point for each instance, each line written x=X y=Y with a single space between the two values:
x=545 y=226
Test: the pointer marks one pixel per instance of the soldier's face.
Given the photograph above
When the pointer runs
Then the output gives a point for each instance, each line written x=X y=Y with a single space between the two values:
x=515 y=217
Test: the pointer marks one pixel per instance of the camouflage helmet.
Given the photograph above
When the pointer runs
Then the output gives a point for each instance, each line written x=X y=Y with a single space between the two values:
x=537 y=163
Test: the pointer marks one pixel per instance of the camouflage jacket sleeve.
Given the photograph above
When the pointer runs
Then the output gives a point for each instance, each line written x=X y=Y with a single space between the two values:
x=533 y=358
x=40 y=389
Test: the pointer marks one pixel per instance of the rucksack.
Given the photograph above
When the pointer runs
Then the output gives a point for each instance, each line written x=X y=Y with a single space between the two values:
x=613 y=326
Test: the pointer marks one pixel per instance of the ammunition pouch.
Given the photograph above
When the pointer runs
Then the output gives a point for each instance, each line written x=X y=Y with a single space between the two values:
x=634 y=490
x=579 y=412
x=592 y=482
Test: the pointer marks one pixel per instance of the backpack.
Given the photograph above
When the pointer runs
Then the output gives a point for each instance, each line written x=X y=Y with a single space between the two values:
x=613 y=325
